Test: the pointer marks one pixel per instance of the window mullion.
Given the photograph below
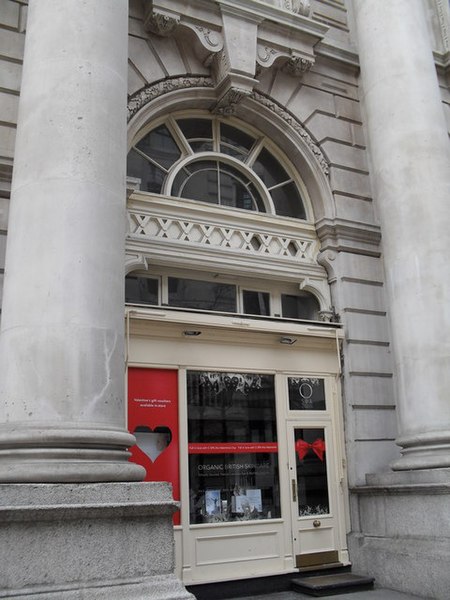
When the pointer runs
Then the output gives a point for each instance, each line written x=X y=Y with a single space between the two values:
x=154 y=163
x=253 y=154
x=278 y=185
x=179 y=137
x=219 y=199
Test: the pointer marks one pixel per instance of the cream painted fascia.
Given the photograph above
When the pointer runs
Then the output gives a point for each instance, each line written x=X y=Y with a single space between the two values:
x=230 y=324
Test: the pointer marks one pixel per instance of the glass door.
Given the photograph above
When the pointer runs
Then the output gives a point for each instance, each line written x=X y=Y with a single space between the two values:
x=313 y=474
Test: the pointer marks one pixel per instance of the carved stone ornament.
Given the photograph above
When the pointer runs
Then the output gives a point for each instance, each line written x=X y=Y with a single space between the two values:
x=229 y=101
x=147 y=94
x=300 y=7
x=297 y=66
x=161 y=24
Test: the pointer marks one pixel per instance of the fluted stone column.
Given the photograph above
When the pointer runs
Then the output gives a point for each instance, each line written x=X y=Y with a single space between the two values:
x=410 y=156
x=61 y=345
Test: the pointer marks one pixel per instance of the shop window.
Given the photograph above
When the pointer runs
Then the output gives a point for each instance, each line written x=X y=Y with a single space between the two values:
x=233 y=452
x=212 y=161
x=300 y=306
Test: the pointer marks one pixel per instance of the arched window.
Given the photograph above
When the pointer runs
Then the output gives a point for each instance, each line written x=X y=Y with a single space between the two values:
x=213 y=161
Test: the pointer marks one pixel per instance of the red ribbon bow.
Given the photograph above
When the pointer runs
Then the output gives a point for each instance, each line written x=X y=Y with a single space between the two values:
x=302 y=448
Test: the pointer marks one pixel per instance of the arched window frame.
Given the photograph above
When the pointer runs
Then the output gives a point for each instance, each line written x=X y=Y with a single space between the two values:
x=243 y=166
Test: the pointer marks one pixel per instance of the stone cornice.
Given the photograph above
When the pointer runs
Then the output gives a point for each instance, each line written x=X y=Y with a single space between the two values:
x=340 y=235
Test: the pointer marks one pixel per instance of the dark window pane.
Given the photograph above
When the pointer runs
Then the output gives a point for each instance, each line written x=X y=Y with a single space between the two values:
x=233 y=453
x=303 y=306
x=205 y=295
x=287 y=201
x=196 y=128
x=201 y=186
x=141 y=290
x=201 y=146
x=256 y=303
x=269 y=169
x=312 y=481
x=306 y=393
x=160 y=145
x=234 y=141
x=151 y=177
x=233 y=193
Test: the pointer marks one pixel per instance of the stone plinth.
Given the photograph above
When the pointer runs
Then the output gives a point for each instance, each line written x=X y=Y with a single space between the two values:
x=404 y=535
x=110 y=541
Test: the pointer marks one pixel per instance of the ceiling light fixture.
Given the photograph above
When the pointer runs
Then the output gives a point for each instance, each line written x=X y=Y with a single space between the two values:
x=287 y=340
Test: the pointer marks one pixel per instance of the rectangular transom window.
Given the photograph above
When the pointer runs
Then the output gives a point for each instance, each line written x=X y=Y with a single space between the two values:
x=203 y=295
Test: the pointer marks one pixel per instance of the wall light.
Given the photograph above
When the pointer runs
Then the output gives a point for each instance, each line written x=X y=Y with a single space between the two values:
x=287 y=340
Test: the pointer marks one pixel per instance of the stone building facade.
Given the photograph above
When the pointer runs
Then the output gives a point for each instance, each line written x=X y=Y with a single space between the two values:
x=328 y=120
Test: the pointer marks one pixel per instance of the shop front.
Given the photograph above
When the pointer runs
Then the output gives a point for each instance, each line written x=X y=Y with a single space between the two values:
x=243 y=417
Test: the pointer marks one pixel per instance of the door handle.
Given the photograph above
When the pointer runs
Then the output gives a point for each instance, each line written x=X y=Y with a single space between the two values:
x=294 y=490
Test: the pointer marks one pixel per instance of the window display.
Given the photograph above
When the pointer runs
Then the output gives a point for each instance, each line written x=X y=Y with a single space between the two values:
x=233 y=451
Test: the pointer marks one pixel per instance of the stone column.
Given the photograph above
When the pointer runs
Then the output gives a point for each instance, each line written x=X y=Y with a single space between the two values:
x=410 y=156
x=61 y=345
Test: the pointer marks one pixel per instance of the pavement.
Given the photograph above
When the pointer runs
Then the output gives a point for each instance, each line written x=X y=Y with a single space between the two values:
x=375 y=594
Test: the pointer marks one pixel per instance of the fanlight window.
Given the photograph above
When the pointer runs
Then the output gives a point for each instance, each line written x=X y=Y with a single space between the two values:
x=211 y=161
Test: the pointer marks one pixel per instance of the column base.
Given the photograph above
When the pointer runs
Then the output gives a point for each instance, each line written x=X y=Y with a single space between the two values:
x=98 y=541
x=404 y=535
x=66 y=453
x=423 y=451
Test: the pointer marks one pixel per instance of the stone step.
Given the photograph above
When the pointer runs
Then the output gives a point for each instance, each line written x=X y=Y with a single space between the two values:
x=336 y=583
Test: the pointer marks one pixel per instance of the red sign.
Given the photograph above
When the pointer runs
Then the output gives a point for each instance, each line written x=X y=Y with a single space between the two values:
x=153 y=420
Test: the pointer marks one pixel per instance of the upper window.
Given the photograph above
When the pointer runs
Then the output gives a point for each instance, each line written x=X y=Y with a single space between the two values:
x=215 y=295
x=212 y=161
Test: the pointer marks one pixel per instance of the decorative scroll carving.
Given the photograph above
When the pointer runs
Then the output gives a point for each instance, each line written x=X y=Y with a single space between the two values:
x=161 y=24
x=135 y=261
x=292 y=121
x=147 y=94
x=266 y=56
x=176 y=230
x=211 y=39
